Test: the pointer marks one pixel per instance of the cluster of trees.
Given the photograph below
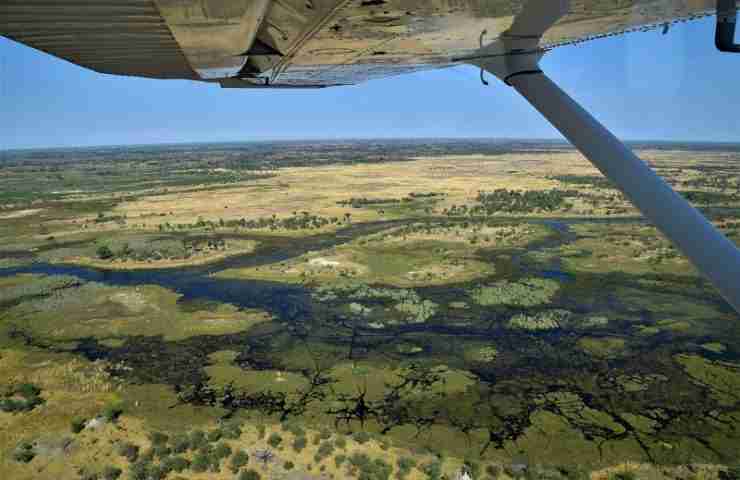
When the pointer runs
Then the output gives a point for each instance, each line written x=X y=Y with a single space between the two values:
x=208 y=452
x=162 y=250
x=593 y=180
x=363 y=202
x=297 y=221
x=23 y=397
x=513 y=201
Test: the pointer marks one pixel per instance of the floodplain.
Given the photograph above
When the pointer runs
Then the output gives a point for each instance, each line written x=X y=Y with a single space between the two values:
x=360 y=309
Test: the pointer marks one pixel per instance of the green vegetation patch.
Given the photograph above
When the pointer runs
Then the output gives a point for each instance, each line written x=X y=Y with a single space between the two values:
x=721 y=378
x=547 y=320
x=97 y=310
x=606 y=347
x=524 y=293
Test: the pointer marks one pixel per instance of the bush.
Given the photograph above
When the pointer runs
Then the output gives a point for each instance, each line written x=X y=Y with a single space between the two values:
x=139 y=470
x=239 y=459
x=198 y=439
x=493 y=470
x=111 y=473
x=30 y=394
x=215 y=435
x=295 y=429
x=231 y=430
x=128 y=450
x=405 y=464
x=623 y=476
x=325 y=449
x=433 y=470
x=288 y=465
x=176 y=464
x=249 y=475
x=275 y=440
x=339 y=460
x=180 y=443
x=361 y=437
x=104 y=252
x=200 y=463
x=85 y=474
x=261 y=431
x=222 y=451
x=340 y=442
x=78 y=424
x=158 y=438
x=161 y=451
x=23 y=452
x=299 y=444
x=111 y=412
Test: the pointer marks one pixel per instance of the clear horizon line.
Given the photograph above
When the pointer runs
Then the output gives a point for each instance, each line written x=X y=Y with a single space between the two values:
x=354 y=138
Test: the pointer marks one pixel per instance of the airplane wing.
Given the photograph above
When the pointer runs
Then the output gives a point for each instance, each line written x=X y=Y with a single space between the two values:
x=301 y=43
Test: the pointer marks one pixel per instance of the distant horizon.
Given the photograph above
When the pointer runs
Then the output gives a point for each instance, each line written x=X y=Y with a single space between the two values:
x=560 y=141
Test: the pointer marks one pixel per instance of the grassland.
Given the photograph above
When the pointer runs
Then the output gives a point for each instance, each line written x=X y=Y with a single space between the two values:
x=360 y=311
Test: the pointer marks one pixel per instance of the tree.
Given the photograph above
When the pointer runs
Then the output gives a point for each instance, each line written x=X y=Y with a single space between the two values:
x=104 y=252
x=249 y=475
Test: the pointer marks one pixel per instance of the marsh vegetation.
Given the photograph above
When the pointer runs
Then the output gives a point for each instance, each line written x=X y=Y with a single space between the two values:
x=358 y=310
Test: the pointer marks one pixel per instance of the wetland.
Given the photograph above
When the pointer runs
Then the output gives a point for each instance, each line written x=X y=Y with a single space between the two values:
x=367 y=309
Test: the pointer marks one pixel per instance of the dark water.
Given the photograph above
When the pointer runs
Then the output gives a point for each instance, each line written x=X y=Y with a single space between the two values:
x=285 y=301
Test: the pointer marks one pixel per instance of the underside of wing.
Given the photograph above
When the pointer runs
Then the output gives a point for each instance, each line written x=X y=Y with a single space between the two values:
x=301 y=43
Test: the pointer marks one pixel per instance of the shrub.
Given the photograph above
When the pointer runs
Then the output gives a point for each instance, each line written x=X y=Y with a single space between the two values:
x=249 y=475
x=128 y=450
x=23 y=452
x=339 y=460
x=158 y=438
x=341 y=442
x=78 y=424
x=275 y=440
x=30 y=394
x=325 y=449
x=493 y=470
x=176 y=464
x=111 y=473
x=104 y=252
x=361 y=437
x=238 y=460
x=139 y=470
x=215 y=435
x=433 y=470
x=231 y=430
x=200 y=463
x=295 y=429
x=222 y=451
x=405 y=464
x=299 y=444
x=180 y=443
x=161 y=451
x=85 y=474
x=197 y=439
x=111 y=412
x=623 y=476
x=261 y=431
x=288 y=465
x=473 y=468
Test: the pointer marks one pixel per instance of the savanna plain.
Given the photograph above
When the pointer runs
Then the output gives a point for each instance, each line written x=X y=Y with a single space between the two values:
x=447 y=309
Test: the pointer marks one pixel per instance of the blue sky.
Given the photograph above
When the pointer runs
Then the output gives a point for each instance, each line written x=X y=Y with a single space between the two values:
x=642 y=86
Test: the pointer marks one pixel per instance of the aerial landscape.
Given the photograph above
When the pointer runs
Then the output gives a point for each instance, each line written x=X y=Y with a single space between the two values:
x=372 y=309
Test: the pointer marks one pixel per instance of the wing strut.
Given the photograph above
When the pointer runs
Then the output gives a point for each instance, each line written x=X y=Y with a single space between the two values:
x=711 y=252
x=514 y=58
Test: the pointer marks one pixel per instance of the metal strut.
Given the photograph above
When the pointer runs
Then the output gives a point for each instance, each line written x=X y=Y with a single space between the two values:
x=711 y=252
x=514 y=58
